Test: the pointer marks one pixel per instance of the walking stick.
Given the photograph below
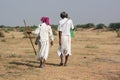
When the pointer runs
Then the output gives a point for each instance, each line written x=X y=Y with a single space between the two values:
x=30 y=38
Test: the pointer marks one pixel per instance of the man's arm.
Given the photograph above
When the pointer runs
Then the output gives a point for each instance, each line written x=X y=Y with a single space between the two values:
x=60 y=33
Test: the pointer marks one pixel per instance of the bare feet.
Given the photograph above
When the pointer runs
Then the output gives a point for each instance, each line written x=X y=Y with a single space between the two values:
x=61 y=64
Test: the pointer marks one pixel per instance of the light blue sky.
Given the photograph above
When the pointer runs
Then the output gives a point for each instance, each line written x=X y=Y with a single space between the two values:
x=12 y=12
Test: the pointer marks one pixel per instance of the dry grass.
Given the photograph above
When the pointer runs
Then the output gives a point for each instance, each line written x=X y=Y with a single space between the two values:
x=94 y=57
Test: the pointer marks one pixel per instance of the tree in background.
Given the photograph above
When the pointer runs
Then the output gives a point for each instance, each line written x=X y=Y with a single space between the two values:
x=115 y=27
x=101 y=26
x=88 y=25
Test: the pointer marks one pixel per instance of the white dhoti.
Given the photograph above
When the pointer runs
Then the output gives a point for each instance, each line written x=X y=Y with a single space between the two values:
x=65 y=47
x=43 y=50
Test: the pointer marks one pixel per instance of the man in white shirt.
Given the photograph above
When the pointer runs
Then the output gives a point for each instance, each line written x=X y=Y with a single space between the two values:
x=44 y=31
x=65 y=24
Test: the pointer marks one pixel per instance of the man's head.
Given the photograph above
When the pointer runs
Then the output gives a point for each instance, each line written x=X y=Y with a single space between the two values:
x=63 y=15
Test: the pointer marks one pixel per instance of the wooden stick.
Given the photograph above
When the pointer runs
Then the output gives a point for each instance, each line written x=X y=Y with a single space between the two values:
x=30 y=37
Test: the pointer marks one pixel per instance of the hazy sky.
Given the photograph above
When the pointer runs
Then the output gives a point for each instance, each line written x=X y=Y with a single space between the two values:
x=12 y=12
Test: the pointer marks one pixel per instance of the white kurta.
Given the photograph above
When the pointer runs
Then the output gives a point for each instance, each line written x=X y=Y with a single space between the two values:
x=44 y=31
x=64 y=26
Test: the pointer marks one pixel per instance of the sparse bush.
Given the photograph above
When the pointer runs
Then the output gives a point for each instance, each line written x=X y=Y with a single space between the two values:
x=91 y=46
x=13 y=55
x=118 y=32
x=3 y=40
x=10 y=67
x=0 y=56
x=2 y=34
x=13 y=36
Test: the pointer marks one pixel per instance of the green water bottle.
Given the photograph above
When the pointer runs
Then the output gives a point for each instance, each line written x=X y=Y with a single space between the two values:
x=72 y=33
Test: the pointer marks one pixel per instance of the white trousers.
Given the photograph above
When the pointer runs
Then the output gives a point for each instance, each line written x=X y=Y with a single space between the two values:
x=65 y=47
x=43 y=50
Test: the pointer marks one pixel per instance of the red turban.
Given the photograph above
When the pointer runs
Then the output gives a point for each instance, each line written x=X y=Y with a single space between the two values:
x=46 y=20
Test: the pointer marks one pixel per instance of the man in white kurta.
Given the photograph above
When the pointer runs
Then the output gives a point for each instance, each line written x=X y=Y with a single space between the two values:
x=44 y=31
x=64 y=37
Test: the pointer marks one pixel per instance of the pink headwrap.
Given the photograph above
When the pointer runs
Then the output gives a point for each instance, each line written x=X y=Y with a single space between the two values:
x=46 y=20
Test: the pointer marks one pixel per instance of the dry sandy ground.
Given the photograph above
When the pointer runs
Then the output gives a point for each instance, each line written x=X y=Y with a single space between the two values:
x=95 y=56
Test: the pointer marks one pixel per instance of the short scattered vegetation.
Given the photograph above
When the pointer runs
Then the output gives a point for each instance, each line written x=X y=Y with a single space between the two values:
x=111 y=27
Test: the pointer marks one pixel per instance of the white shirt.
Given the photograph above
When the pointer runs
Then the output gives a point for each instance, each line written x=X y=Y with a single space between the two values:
x=44 y=31
x=65 y=25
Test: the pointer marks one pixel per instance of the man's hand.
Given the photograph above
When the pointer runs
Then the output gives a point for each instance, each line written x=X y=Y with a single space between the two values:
x=60 y=33
x=29 y=32
x=51 y=43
